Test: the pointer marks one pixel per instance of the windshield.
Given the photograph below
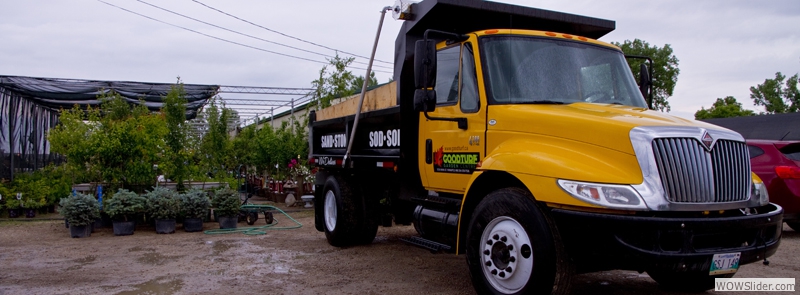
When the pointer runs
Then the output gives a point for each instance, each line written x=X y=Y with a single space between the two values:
x=523 y=70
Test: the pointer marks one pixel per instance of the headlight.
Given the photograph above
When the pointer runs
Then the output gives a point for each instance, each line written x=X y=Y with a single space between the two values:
x=758 y=192
x=606 y=195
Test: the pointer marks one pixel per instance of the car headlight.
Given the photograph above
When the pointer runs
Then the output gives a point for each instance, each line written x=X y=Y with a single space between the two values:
x=758 y=191
x=606 y=195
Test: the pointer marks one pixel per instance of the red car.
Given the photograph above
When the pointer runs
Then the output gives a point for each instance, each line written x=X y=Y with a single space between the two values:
x=777 y=163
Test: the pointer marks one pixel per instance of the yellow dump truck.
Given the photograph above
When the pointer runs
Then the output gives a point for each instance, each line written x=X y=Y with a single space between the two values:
x=513 y=136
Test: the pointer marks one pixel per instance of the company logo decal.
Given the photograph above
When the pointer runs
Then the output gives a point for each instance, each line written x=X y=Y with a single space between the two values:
x=334 y=141
x=455 y=162
x=707 y=140
x=387 y=138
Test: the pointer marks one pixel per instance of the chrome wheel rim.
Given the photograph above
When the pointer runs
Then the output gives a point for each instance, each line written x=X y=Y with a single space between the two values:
x=506 y=255
x=330 y=210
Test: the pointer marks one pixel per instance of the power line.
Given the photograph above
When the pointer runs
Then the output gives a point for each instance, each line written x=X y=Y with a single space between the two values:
x=285 y=35
x=223 y=40
x=243 y=34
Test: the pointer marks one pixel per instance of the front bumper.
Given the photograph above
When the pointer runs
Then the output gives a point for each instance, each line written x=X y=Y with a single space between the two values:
x=666 y=241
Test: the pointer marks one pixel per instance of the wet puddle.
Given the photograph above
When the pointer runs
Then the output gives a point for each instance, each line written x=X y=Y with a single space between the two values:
x=161 y=286
x=219 y=247
x=155 y=258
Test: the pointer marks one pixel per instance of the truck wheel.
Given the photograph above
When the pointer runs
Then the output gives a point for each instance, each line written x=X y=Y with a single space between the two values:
x=339 y=212
x=685 y=281
x=513 y=248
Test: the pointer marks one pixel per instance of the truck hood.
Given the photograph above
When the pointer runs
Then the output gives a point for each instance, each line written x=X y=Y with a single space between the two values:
x=603 y=125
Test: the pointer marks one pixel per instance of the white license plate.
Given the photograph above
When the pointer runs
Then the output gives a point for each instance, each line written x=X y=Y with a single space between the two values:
x=724 y=263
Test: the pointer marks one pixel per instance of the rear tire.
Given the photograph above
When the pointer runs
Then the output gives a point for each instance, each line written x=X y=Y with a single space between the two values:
x=685 y=281
x=339 y=213
x=514 y=248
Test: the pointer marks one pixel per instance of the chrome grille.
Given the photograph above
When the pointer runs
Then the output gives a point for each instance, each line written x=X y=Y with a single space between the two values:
x=691 y=174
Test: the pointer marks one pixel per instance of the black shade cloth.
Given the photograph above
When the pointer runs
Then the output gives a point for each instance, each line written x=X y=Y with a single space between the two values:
x=56 y=93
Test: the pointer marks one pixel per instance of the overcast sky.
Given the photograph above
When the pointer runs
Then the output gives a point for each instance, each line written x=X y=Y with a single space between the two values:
x=724 y=47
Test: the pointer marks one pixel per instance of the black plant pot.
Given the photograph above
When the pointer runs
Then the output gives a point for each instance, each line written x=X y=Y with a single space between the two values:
x=165 y=226
x=193 y=224
x=124 y=228
x=80 y=231
x=30 y=213
x=227 y=221
x=13 y=213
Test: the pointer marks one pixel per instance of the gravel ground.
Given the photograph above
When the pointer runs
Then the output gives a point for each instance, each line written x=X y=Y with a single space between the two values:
x=39 y=257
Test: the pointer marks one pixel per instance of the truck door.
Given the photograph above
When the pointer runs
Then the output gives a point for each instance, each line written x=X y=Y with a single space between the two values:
x=449 y=154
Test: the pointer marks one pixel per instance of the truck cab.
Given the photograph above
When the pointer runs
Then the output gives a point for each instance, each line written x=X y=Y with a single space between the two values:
x=530 y=148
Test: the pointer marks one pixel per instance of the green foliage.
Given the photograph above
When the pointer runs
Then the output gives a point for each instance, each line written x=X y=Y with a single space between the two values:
x=665 y=68
x=215 y=145
x=72 y=139
x=275 y=148
x=12 y=202
x=335 y=84
x=162 y=203
x=119 y=147
x=80 y=209
x=177 y=137
x=723 y=108
x=124 y=204
x=5 y=195
x=244 y=146
x=226 y=202
x=358 y=82
x=195 y=203
x=776 y=95
x=128 y=144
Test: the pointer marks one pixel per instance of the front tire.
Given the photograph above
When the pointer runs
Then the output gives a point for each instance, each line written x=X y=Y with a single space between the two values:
x=514 y=248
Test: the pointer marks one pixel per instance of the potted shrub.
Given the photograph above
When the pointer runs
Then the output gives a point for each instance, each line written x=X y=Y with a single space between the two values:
x=163 y=206
x=13 y=204
x=80 y=211
x=122 y=207
x=226 y=207
x=30 y=204
x=194 y=204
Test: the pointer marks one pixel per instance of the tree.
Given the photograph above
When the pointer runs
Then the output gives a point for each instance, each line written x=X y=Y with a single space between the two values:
x=215 y=144
x=776 y=99
x=358 y=83
x=723 y=108
x=665 y=68
x=177 y=137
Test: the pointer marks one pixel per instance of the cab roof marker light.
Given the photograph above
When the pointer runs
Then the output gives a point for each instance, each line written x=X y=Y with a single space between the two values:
x=551 y=34
x=491 y=31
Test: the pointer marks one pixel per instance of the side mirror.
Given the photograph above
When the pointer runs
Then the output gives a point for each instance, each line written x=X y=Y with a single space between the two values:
x=424 y=64
x=644 y=84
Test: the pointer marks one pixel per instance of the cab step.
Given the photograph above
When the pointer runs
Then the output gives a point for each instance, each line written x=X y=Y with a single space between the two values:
x=434 y=247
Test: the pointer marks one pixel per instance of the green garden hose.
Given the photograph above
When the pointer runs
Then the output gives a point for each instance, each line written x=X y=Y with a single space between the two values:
x=256 y=230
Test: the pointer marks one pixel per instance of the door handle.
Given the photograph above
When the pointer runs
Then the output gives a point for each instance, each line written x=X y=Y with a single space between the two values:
x=428 y=151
